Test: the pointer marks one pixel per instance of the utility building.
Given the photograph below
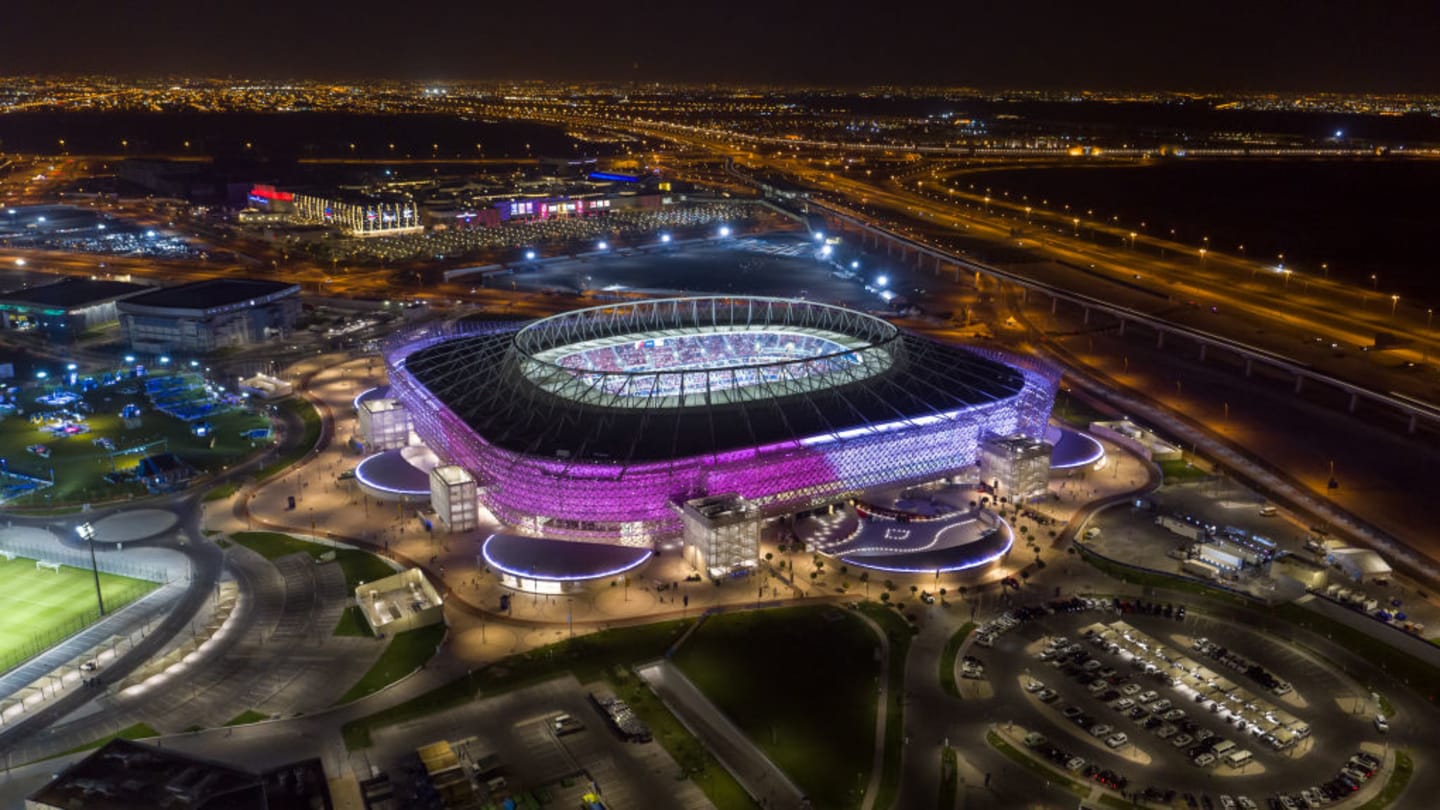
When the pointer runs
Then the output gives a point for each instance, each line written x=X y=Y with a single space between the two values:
x=1017 y=466
x=722 y=533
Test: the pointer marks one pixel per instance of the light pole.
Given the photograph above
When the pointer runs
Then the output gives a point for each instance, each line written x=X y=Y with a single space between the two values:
x=87 y=533
x=1203 y=251
x=1394 y=302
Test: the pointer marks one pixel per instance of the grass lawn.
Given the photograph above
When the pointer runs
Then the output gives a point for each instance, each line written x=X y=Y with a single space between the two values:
x=900 y=633
x=604 y=655
x=403 y=655
x=80 y=465
x=1395 y=785
x=1177 y=472
x=801 y=683
x=310 y=421
x=221 y=492
x=352 y=623
x=43 y=607
x=949 y=778
x=1029 y=764
x=246 y=717
x=359 y=566
x=947 y=659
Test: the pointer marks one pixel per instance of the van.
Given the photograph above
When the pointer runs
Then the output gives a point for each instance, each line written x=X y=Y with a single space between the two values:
x=1236 y=759
x=1222 y=747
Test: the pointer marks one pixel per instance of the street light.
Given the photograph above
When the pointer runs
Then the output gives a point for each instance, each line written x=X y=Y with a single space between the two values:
x=603 y=246
x=1394 y=302
x=724 y=231
x=529 y=255
x=1202 y=256
x=664 y=238
x=87 y=534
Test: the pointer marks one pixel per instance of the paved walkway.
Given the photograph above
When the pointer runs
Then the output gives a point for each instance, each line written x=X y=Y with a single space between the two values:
x=742 y=757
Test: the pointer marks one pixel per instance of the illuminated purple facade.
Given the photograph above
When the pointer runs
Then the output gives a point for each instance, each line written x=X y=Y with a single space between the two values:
x=556 y=452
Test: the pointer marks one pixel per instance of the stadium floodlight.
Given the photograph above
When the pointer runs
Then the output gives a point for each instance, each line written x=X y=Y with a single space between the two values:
x=86 y=532
x=100 y=227
x=724 y=231
x=70 y=366
x=854 y=264
x=40 y=375
x=665 y=238
x=529 y=255
x=149 y=234
x=164 y=358
x=194 y=363
x=603 y=246
x=882 y=281
x=129 y=358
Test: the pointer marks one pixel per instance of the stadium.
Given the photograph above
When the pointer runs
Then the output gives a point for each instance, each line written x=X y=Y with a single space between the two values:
x=596 y=424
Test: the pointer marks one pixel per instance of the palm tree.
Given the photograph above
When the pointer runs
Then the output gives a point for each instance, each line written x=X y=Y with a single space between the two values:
x=865 y=578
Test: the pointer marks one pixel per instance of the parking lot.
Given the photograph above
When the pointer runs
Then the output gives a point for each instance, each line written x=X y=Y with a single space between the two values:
x=1152 y=698
x=515 y=738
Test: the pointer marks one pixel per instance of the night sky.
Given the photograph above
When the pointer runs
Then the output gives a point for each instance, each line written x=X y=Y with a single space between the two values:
x=1260 y=44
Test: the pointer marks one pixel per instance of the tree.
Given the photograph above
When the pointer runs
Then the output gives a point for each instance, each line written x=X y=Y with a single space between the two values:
x=769 y=556
x=865 y=578
x=885 y=597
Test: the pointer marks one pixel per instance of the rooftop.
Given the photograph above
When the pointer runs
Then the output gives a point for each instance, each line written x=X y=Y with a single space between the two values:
x=73 y=292
x=215 y=292
x=123 y=775
x=559 y=560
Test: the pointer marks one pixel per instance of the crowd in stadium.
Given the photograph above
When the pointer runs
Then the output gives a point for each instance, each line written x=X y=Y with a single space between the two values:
x=748 y=358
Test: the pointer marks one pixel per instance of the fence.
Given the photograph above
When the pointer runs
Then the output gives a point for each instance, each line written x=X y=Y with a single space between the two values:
x=64 y=556
x=20 y=652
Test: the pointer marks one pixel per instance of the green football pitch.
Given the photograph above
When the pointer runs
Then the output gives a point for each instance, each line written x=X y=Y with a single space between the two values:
x=39 y=607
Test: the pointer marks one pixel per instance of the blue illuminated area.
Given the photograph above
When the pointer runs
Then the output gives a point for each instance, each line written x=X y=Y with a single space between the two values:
x=389 y=476
x=613 y=177
x=1073 y=449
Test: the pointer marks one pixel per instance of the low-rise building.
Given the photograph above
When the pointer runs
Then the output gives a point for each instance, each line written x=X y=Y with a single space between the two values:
x=203 y=316
x=66 y=309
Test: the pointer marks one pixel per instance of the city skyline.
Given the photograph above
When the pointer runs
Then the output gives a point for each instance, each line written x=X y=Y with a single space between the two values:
x=1231 y=47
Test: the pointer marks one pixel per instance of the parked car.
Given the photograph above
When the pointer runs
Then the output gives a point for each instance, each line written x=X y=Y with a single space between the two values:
x=1117 y=740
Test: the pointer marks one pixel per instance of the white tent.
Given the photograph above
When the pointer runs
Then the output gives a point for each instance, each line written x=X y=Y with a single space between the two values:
x=1360 y=564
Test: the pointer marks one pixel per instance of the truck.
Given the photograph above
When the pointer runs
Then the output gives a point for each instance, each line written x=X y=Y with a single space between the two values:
x=1189 y=531
x=1200 y=568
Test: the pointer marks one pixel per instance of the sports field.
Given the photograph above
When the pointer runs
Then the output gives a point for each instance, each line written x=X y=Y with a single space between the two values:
x=42 y=607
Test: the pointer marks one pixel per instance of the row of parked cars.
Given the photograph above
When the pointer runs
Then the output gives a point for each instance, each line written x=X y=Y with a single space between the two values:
x=1010 y=619
x=1037 y=742
x=1154 y=713
x=1240 y=663
x=1356 y=771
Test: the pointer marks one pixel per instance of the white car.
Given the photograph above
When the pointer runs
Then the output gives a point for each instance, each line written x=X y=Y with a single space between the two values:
x=1246 y=803
x=1034 y=686
x=1147 y=696
x=1130 y=689
x=1226 y=803
x=1204 y=760
x=1117 y=740
x=1075 y=764
x=1100 y=730
x=1381 y=724
x=1122 y=704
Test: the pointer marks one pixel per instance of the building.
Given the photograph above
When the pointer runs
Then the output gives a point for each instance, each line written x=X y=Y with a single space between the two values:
x=593 y=424
x=382 y=424
x=360 y=215
x=203 y=316
x=403 y=601
x=124 y=775
x=1016 y=467
x=454 y=497
x=66 y=309
x=722 y=534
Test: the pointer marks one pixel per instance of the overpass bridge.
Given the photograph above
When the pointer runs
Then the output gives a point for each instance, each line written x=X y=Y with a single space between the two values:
x=922 y=256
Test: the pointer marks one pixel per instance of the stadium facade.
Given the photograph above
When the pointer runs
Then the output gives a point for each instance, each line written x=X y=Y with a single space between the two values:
x=596 y=424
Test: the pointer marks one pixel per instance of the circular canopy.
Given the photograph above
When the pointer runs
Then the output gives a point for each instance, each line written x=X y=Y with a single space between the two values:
x=560 y=560
x=1072 y=448
x=391 y=474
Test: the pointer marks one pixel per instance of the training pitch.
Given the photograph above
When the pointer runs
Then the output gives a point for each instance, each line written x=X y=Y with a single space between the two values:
x=41 y=607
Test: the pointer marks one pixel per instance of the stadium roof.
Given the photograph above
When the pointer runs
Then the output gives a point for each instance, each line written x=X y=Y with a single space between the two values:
x=560 y=560
x=482 y=379
x=211 y=293
x=73 y=292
